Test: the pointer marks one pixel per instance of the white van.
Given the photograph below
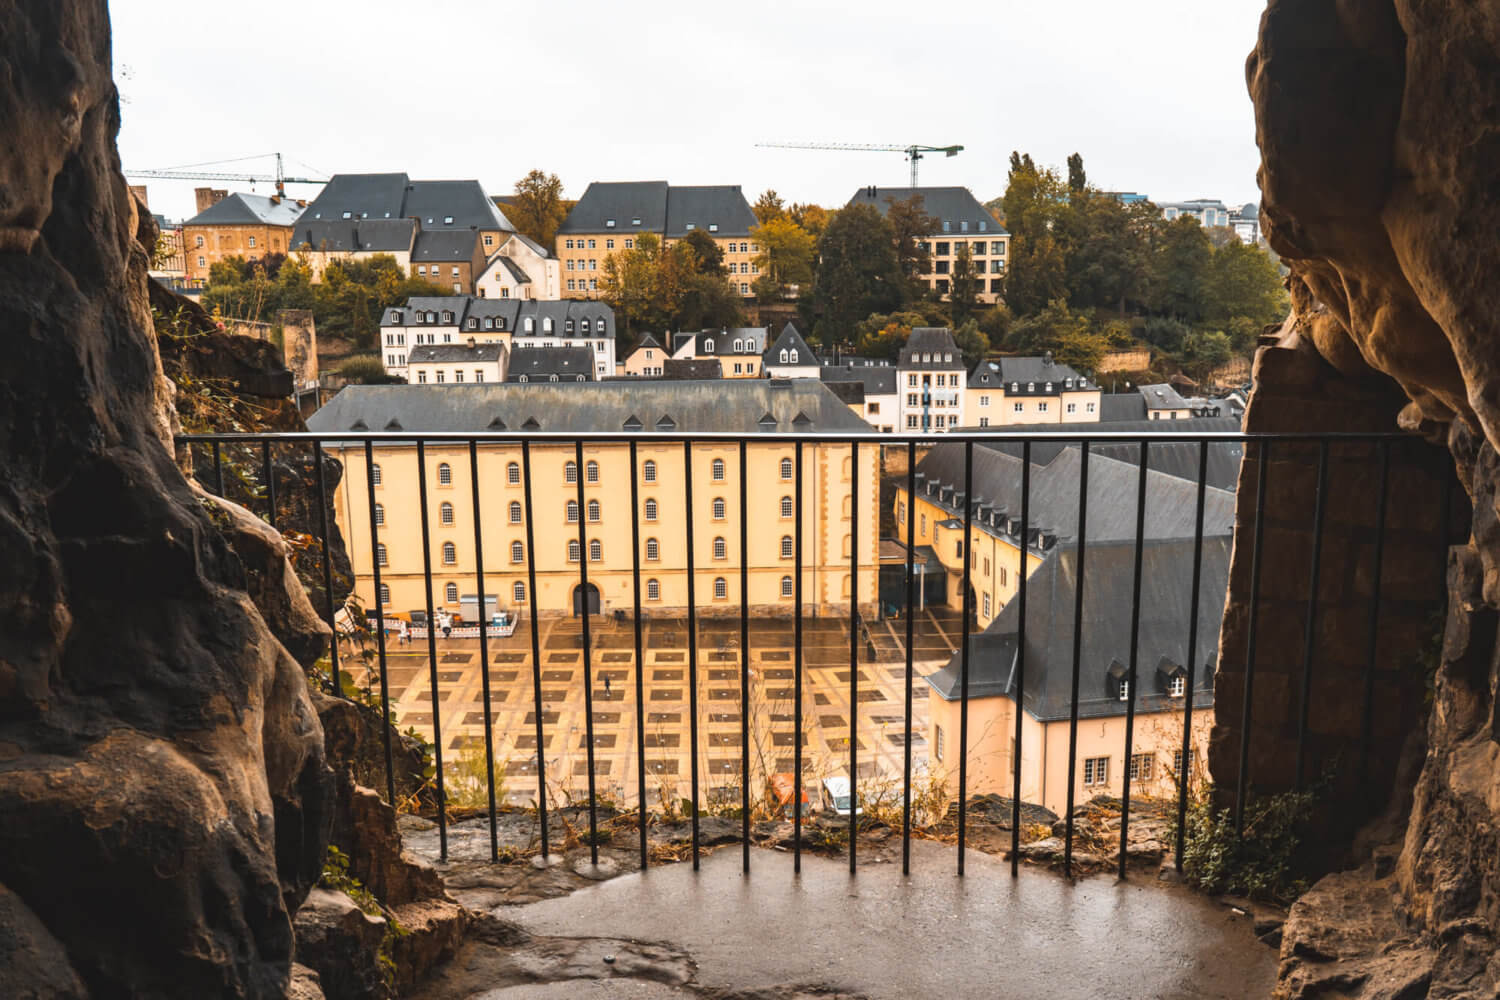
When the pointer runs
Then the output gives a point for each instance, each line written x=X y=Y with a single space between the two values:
x=836 y=796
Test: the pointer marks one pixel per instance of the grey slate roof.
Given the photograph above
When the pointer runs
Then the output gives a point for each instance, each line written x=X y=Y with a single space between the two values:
x=851 y=391
x=437 y=204
x=1121 y=407
x=790 y=340
x=541 y=363
x=661 y=208
x=1162 y=397
x=1039 y=371
x=451 y=353
x=646 y=340
x=1171 y=502
x=1108 y=589
x=434 y=202
x=445 y=245
x=878 y=380
x=691 y=368
x=720 y=343
x=247 y=210
x=368 y=235
x=936 y=340
x=953 y=205
x=516 y=272
x=509 y=315
x=730 y=405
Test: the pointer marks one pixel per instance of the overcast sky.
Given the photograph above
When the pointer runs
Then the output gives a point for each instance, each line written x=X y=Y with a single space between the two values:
x=1152 y=93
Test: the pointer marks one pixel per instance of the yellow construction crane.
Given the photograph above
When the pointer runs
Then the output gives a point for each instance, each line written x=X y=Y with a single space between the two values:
x=280 y=180
x=913 y=152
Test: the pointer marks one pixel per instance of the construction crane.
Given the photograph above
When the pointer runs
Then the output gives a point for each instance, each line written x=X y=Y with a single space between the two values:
x=280 y=180
x=913 y=152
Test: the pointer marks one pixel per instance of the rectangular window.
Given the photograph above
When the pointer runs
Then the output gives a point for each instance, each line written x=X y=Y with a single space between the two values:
x=1041 y=407
x=1096 y=771
x=984 y=400
x=937 y=742
x=1019 y=407
x=986 y=605
x=252 y=242
x=1072 y=407
x=1140 y=767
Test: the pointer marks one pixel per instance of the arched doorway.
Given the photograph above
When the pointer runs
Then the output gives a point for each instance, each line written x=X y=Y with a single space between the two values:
x=588 y=592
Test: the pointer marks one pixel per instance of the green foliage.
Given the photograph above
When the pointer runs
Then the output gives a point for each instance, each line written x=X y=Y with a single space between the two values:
x=768 y=207
x=652 y=287
x=708 y=256
x=366 y=369
x=786 y=257
x=1262 y=864
x=336 y=876
x=538 y=208
x=857 y=271
x=971 y=341
x=1070 y=336
x=963 y=296
x=466 y=780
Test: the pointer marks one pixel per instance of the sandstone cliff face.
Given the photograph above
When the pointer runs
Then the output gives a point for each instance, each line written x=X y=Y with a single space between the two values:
x=163 y=791
x=1379 y=128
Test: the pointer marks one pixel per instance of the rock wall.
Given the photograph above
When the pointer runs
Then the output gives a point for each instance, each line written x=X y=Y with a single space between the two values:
x=163 y=790
x=1379 y=128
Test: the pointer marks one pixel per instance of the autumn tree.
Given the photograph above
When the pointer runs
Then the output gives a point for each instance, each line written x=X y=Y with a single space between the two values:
x=538 y=208
x=768 y=206
x=1034 y=199
x=813 y=218
x=857 y=272
x=963 y=291
x=708 y=256
x=786 y=257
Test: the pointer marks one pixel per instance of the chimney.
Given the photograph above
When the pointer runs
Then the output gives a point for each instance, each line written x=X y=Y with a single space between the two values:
x=471 y=343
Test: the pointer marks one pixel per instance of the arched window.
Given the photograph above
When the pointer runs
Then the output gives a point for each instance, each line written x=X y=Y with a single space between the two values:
x=721 y=588
x=739 y=347
x=547 y=325
x=445 y=474
x=783 y=355
x=445 y=512
x=788 y=547
x=653 y=550
x=650 y=510
x=794 y=355
x=718 y=470
x=596 y=551
x=572 y=511
x=718 y=508
x=708 y=347
x=848 y=505
x=385 y=594
x=552 y=378
x=374 y=474
x=846 y=584
x=786 y=507
x=848 y=543
x=525 y=378
x=451 y=593
x=594 y=511
x=721 y=550
x=848 y=464
x=380 y=513
x=573 y=550
x=513 y=474
x=517 y=552
x=450 y=553
x=380 y=557
x=515 y=512
x=518 y=592
x=570 y=472
x=648 y=472
x=653 y=590
x=591 y=472
x=786 y=468
x=786 y=586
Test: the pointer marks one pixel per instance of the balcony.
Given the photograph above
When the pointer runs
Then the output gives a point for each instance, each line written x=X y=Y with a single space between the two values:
x=636 y=646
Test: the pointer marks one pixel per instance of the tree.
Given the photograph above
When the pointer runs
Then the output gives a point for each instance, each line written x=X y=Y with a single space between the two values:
x=786 y=255
x=1068 y=335
x=857 y=272
x=813 y=218
x=1033 y=204
x=1182 y=268
x=963 y=295
x=1243 y=282
x=708 y=301
x=708 y=256
x=1078 y=181
x=538 y=209
x=768 y=206
x=971 y=341
x=912 y=227
x=1203 y=351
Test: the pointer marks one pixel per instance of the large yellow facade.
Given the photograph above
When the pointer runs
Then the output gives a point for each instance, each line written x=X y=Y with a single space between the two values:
x=828 y=478
x=582 y=257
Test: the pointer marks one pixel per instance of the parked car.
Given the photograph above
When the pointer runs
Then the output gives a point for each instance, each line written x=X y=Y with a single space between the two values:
x=836 y=796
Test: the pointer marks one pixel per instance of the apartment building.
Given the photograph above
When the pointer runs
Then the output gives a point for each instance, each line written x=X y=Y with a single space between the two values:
x=1036 y=390
x=516 y=323
x=960 y=223
x=521 y=269
x=611 y=215
x=235 y=225
x=738 y=350
x=469 y=363
x=550 y=545
x=1208 y=211
x=931 y=377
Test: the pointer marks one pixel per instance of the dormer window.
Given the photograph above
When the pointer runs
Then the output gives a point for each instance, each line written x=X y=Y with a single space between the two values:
x=963 y=227
x=396 y=317
x=635 y=222
x=348 y=215
x=713 y=227
x=583 y=326
x=739 y=347
x=447 y=316
x=609 y=223
x=552 y=378
x=783 y=355
x=691 y=226
x=1177 y=686
x=568 y=326
x=547 y=326
x=708 y=346
x=982 y=226
x=1031 y=387
x=948 y=357
x=473 y=324
x=525 y=378
x=489 y=324
x=447 y=220
x=530 y=324
x=794 y=355
x=947 y=226
x=1067 y=383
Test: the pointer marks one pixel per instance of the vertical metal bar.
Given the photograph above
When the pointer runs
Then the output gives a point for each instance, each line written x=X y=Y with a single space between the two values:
x=218 y=468
x=1367 y=716
x=484 y=657
x=687 y=482
x=911 y=604
x=334 y=687
x=744 y=661
x=536 y=645
x=1310 y=634
x=640 y=659
x=432 y=661
x=1241 y=780
x=1021 y=583
x=1083 y=521
x=588 y=651
x=385 y=695
x=1135 y=637
x=797 y=672
x=853 y=651
x=268 y=472
x=1184 y=773
x=963 y=695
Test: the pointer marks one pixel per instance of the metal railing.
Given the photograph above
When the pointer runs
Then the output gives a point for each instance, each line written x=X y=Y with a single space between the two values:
x=258 y=449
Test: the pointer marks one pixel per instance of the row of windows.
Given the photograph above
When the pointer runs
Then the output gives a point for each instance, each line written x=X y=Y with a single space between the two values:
x=450 y=593
x=593 y=265
x=743 y=268
x=653 y=590
x=596 y=551
x=717 y=470
x=436 y=271
x=1095 y=769
x=580 y=285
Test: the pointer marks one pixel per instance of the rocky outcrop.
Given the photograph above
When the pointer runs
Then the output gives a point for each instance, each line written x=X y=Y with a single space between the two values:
x=1378 y=123
x=161 y=767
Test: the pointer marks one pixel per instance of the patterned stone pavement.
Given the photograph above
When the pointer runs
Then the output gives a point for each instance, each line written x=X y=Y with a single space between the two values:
x=826 y=703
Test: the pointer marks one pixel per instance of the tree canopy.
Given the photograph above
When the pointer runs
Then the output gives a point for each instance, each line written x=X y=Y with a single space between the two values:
x=656 y=288
x=538 y=208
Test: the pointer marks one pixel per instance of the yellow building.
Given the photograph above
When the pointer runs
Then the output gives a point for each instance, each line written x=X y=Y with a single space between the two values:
x=662 y=513
x=1011 y=391
x=611 y=215
x=959 y=223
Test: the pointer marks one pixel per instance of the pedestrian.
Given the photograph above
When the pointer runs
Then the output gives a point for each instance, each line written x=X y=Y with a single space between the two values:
x=606 y=685
x=403 y=633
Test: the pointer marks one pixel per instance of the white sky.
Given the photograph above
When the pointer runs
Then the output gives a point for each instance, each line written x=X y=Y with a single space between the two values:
x=1152 y=93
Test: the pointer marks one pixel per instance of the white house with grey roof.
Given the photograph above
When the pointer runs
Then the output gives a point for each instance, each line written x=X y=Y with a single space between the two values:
x=790 y=357
x=738 y=350
x=959 y=223
x=468 y=363
x=522 y=269
x=515 y=323
x=931 y=380
x=1030 y=390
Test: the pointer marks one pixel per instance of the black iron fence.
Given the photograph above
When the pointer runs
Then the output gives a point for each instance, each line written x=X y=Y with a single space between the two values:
x=253 y=456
